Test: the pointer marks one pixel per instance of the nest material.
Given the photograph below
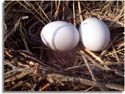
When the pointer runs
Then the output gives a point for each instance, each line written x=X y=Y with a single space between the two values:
x=31 y=66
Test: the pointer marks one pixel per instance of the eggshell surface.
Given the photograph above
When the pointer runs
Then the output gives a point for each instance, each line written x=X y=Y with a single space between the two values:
x=60 y=35
x=94 y=34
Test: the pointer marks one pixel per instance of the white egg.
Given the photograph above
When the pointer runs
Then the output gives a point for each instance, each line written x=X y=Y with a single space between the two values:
x=94 y=34
x=60 y=36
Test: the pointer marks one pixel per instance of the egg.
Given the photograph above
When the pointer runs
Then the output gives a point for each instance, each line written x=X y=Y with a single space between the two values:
x=94 y=34
x=60 y=36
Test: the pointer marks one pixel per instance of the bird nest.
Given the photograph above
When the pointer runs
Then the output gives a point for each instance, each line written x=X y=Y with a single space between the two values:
x=30 y=66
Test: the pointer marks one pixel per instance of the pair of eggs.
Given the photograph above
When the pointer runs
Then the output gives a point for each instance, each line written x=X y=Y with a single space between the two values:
x=63 y=36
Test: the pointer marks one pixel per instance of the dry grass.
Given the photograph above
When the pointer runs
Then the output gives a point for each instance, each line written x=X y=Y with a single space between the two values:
x=30 y=66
